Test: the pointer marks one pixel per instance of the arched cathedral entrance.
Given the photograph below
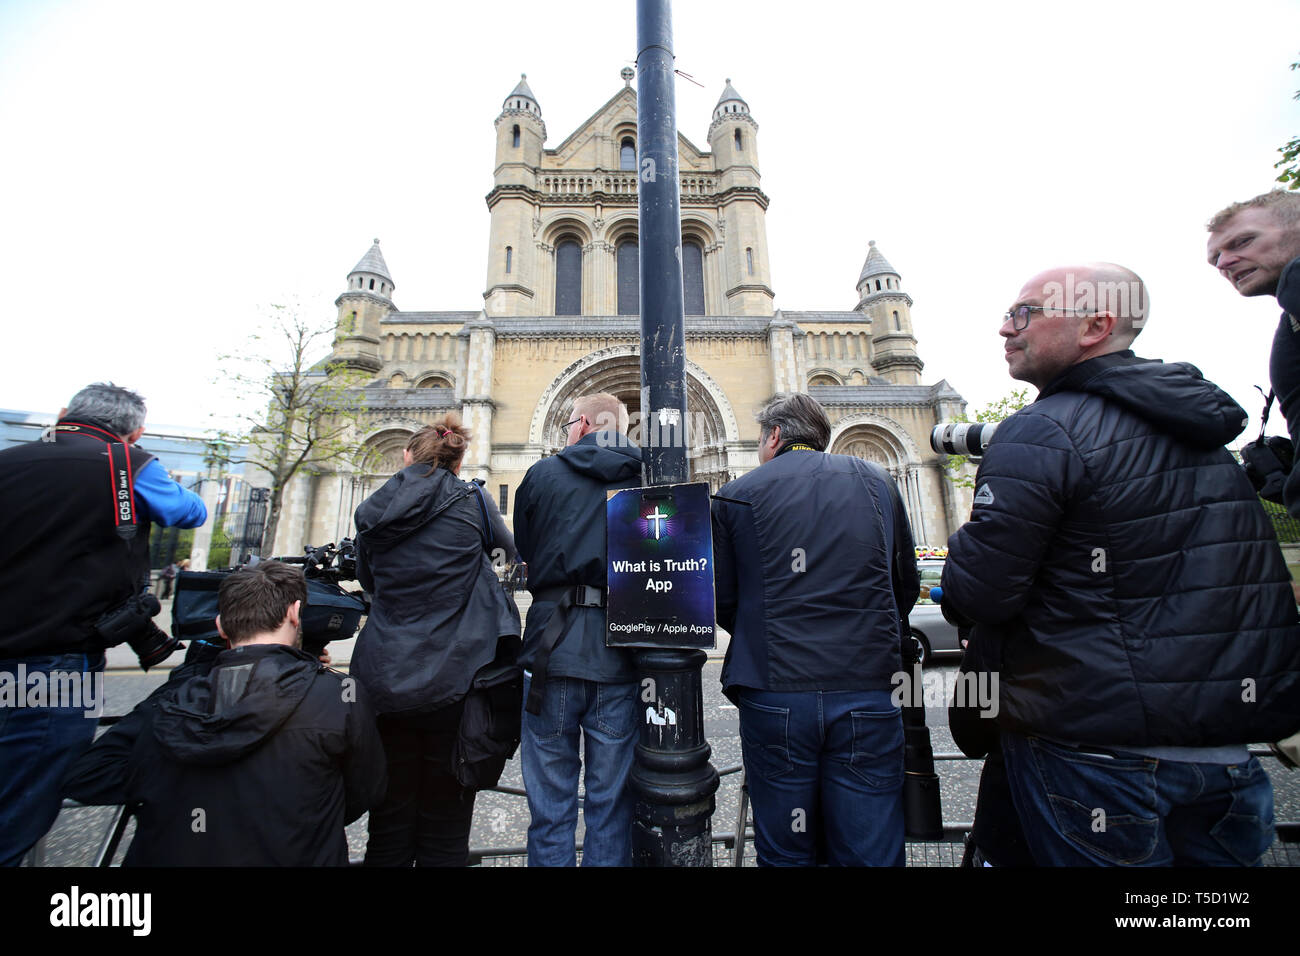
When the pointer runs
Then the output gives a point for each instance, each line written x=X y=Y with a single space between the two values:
x=884 y=441
x=710 y=423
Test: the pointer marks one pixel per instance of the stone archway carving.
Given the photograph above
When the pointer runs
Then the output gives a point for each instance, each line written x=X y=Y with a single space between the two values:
x=711 y=422
x=884 y=441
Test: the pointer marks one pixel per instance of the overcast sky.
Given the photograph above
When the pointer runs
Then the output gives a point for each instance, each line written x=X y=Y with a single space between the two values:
x=171 y=169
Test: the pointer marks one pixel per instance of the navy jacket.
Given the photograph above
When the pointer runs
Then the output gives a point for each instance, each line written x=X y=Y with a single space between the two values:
x=814 y=568
x=1131 y=583
x=1284 y=370
x=437 y=609
x=560 y=533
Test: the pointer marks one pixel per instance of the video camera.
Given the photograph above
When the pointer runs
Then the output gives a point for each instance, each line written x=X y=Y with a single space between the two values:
x=331 y=613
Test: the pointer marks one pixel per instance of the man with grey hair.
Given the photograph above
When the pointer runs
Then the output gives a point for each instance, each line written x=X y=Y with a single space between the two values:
x=1255 y=245
x=1128 y=589
x=82 y=558
x=815 y=571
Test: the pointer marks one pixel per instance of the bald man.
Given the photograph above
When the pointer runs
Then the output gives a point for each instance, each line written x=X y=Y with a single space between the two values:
x=1127 y=586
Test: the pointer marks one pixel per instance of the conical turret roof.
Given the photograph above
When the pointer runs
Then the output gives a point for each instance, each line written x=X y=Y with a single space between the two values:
x=523 y=90
x=729 y=93
x=876 y=264
x=373 y=263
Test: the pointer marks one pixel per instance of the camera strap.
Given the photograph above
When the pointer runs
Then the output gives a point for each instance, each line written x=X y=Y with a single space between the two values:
x=1263 y=418
x=119 y=468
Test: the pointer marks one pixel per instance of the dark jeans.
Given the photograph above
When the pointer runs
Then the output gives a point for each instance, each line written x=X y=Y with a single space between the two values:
x=824 y=766
x=1099 y=807
x=426 y=815
x=37 y=745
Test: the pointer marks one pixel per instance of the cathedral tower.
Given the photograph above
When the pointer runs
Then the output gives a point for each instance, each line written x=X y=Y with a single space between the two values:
x=882 y=299
x=742 y=207
x=511 y=272
x=367 y=300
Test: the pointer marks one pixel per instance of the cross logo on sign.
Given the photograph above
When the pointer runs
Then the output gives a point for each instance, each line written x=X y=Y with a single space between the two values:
x=658 y=520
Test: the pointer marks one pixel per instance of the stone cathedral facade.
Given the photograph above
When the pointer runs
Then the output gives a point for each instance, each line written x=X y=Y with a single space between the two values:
x=559 y=318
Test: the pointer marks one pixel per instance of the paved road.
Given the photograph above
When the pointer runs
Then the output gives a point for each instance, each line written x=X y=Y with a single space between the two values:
x=501 y=820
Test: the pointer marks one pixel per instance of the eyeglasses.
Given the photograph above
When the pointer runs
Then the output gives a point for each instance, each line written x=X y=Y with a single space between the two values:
x=564 y=429
x=1019 y=316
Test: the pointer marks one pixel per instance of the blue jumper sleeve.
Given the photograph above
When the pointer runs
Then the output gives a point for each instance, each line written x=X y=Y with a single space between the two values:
x=168 y=503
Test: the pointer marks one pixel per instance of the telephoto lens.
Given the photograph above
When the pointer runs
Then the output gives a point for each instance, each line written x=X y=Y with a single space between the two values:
x=962 y=438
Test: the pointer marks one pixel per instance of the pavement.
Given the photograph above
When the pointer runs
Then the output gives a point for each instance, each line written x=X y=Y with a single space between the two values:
x=501 y=819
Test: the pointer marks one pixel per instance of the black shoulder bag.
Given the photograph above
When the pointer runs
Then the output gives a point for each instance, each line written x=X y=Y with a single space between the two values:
x=493 y=718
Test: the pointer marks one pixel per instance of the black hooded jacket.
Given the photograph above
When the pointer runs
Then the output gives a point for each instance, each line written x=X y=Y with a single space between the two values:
x=1284 y=370
x=1131 y=582
x=560 y=532
x=261 y=761
x=437 y=609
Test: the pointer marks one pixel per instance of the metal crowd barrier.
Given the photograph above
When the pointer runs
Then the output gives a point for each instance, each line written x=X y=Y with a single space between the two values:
x=729 y=847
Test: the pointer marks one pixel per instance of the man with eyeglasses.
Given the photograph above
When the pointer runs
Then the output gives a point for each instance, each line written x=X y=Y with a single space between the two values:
x=575 y=685
x=1129 y=588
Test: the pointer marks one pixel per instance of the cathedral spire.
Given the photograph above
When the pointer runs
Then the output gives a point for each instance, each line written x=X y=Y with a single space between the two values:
x=876 y=265
x=730 y=102
x=522 y=98
x=373 y=264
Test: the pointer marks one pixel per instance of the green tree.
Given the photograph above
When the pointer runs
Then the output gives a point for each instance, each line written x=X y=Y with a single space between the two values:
x=1290 y=161
x=312 y=408
x=996 y=411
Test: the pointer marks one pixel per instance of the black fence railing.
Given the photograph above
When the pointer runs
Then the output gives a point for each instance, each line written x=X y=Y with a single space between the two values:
x=1287 y=527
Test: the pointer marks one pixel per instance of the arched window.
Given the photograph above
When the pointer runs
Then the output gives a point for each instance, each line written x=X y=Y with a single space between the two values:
x=749 y=260
x=372 y=283
x=693 y=278
x=897 y=326
x=509 y=256
x=877 y=285
x=627 y=154
x=739 y=147
x=568 y=278
x=515 y=137
x=629 y=278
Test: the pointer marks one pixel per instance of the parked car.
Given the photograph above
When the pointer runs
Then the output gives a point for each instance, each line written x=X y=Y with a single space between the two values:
x=935 y=638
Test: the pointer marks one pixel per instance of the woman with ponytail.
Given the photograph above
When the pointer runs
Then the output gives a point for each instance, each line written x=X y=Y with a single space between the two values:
x=424 y=543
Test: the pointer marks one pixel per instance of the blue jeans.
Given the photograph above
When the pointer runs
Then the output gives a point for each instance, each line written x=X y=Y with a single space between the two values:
x=825 y=776
x=1102 y=807
x=38 y=745
x=605 y=716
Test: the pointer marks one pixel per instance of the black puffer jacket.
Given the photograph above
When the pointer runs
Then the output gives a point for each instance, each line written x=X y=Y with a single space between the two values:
x=437 y=609
x=1135 y=583
x=260 y=762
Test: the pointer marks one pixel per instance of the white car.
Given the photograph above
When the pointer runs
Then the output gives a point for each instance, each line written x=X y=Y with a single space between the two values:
x=934 y=637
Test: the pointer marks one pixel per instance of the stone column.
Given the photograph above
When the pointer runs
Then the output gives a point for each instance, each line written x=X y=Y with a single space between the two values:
x=203 y=535
x=785 y=365
x=477 y=407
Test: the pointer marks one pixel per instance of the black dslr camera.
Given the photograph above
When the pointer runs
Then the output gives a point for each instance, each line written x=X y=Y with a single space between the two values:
x=132 y=622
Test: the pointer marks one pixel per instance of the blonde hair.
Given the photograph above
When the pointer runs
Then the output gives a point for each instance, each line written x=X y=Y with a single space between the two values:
x=1284 y=205
x=603 y=410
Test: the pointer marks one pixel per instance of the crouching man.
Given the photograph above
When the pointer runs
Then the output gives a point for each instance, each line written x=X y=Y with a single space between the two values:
x=262 y=761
